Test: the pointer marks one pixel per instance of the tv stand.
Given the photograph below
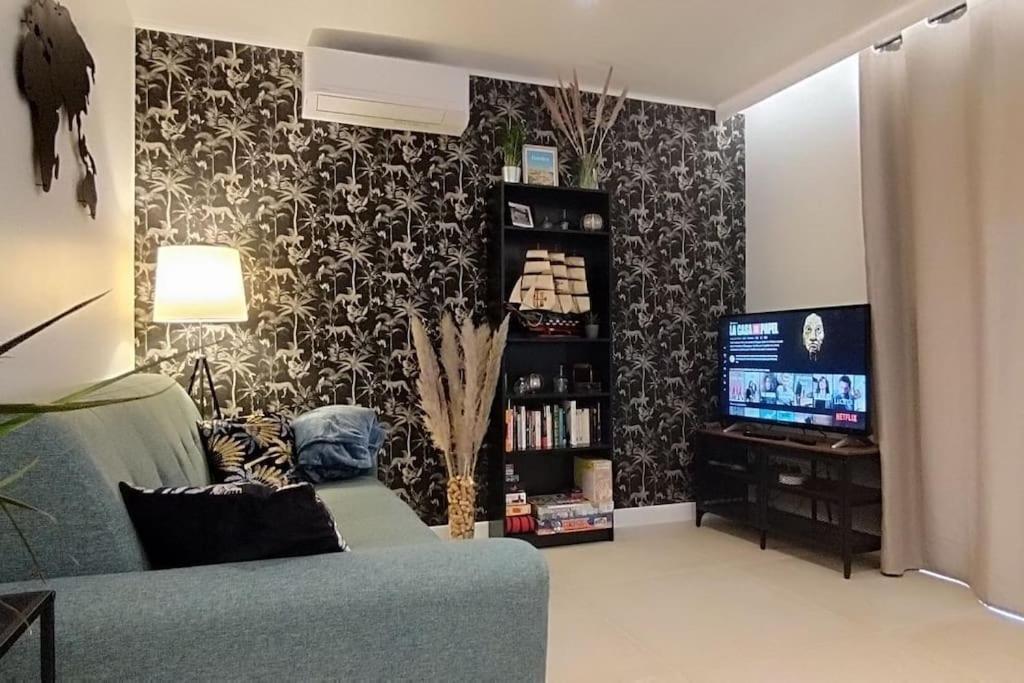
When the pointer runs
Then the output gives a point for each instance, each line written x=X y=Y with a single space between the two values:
x=737 y=477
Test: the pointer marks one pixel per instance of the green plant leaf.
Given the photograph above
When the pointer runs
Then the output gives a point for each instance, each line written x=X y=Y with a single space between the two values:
x=14 y=502
x=44 y=408
x=25 y=336
x=24 y=540
x=113 y=380
x=7 y=481
x=26 y=412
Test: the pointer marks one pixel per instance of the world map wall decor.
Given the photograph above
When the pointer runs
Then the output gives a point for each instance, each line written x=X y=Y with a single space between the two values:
x=56 y=71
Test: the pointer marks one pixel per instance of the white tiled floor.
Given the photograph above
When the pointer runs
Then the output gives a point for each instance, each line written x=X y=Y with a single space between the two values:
x=677 y=603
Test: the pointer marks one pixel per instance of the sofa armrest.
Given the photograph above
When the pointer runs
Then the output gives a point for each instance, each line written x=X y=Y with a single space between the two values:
x=474 y=610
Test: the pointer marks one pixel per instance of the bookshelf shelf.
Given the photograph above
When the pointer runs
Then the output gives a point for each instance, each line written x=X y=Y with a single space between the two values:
x=575 y=450
x=526 y=232
x=536 y=398
x=548 y=471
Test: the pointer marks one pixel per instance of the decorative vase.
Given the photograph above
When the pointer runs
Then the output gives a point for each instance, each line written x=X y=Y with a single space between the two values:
x=588 y=171
x=593 y=222
x=511 y=174
x=461 y=507
x=593 y=331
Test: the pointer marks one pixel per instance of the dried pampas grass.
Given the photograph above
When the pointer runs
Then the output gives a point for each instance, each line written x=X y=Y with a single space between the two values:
x=456 y=405
x=566 y=109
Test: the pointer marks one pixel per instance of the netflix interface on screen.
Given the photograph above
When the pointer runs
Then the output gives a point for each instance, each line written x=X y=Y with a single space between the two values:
x=805 y=368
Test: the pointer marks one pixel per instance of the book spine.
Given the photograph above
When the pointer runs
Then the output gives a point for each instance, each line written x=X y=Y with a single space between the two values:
x=548 y=427
x=509 y=426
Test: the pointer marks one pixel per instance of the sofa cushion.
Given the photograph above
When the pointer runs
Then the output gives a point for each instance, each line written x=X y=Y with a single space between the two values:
x=254 y=449
x=372 y=515
x=192 y=526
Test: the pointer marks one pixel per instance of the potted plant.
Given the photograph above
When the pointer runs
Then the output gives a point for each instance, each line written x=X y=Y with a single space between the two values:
x=513 y=136
x=455 y=396
x=592 y=328
x=569 y=115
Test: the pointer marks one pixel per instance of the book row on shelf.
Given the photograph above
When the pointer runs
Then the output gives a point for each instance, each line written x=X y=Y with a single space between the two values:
x=547 y=427
x=588 y=507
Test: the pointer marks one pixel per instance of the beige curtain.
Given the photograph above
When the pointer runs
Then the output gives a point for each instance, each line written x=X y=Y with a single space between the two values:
x=943 y=178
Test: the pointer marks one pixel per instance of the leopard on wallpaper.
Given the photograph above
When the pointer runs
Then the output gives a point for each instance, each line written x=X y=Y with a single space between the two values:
x=345 y=231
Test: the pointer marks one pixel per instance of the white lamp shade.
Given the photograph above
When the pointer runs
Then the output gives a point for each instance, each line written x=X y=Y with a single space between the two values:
x=199 y=284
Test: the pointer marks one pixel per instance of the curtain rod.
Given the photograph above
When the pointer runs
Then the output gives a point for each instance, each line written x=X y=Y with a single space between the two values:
x=948 y=17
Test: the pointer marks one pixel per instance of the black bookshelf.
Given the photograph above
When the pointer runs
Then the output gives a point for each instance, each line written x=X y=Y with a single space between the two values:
x=549 y=471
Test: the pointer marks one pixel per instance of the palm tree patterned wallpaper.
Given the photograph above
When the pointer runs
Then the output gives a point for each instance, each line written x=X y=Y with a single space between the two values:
x=346 y=231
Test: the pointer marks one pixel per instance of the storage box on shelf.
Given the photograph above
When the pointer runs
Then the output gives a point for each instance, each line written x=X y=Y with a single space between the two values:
x=541 y=434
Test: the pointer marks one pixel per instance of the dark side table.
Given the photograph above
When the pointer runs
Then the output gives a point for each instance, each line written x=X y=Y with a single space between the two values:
x=17 y=612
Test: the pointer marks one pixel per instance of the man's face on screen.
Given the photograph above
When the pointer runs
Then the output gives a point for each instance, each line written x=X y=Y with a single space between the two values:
x=814 y=334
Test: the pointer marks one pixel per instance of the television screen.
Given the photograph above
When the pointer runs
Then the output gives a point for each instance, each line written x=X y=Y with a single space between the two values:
x=806 y=368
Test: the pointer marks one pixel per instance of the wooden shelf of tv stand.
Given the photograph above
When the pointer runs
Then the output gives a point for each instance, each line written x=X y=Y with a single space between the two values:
x=821 y=448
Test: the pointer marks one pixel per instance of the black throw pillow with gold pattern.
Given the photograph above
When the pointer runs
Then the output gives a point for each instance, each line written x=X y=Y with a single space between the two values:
x=255 y=449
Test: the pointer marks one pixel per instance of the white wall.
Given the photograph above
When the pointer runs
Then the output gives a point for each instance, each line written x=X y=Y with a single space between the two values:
x=52 y=254
x=805 y=236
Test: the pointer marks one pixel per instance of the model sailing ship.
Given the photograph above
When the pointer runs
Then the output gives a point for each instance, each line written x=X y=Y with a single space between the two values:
x=551 y=297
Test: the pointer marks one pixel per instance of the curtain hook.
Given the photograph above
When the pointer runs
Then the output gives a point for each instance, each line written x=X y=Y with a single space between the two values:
x=892 y=45
x=949 y=16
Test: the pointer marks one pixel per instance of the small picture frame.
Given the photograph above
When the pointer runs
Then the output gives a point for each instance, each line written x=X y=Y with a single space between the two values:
x=521 y=214
x=540 y=165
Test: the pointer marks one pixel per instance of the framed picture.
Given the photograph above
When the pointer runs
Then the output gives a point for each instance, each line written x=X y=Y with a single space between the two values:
x=522 y=216
x=540 y=165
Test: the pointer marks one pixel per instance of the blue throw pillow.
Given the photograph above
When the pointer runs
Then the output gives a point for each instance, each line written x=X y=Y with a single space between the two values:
x=337 y=442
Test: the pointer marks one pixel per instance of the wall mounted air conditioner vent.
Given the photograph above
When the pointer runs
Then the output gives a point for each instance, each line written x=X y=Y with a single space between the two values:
x=384 y=92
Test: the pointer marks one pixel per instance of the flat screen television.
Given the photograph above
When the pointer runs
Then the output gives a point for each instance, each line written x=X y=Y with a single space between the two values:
x=804 y=368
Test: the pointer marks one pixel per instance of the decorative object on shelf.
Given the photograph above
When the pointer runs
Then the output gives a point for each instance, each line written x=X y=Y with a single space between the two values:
x=56 y=71
x=551 y=297
x=529 y=384
x=587 y=139
x=592 y=328
x=583 y=381
x=560 y=385
x=200 y=284
x=593 y=222
x=457 y=404
x=547 y=223
x=565 y=224
x=792 y=479
x=540 y=165
x=521 y=215
x=512 y=138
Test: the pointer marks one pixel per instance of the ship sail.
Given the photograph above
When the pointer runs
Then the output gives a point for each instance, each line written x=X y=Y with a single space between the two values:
x=576 y=267
x=553 y=282
x=535 y=290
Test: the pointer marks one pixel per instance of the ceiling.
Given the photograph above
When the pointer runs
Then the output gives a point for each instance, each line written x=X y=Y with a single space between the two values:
x=720 y=54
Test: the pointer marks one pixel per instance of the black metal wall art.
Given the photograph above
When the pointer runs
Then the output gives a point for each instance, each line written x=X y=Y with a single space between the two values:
x=55 y=70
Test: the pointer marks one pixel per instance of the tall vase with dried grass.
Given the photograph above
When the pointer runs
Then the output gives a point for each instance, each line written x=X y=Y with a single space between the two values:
x=587 y=138
x=456 y=396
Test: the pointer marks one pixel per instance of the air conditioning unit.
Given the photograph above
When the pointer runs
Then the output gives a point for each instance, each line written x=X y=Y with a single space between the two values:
x=384 y=92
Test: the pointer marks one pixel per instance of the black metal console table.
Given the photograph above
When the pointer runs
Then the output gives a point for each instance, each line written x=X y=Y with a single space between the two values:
x=737 y=475
x=17 y=613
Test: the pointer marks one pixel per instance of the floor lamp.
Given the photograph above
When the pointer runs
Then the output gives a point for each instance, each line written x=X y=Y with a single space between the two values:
x=199 y=285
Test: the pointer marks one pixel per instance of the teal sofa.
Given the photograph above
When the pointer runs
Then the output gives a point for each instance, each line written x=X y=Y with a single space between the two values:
x=402 y=605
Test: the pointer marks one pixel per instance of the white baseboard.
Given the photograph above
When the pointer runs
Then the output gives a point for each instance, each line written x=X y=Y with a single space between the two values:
x=655 y=514
x=627 y=517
